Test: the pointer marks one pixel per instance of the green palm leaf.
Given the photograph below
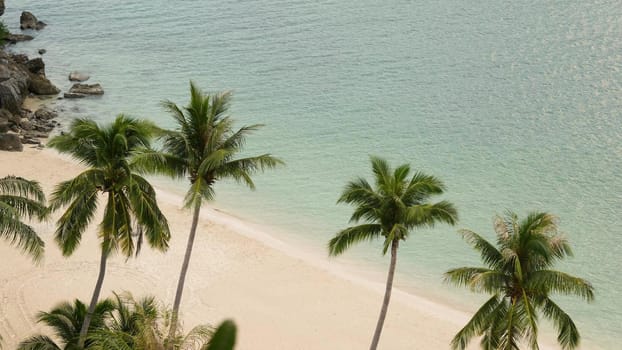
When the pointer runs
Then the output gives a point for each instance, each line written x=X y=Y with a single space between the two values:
x=22 y=199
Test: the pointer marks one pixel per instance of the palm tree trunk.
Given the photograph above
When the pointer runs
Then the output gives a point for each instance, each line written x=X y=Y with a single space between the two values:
x=94 y=298
x=182 y=274
x=387 y=295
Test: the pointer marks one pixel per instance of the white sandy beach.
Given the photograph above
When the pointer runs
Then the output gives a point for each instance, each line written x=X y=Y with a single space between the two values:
x=279 y=300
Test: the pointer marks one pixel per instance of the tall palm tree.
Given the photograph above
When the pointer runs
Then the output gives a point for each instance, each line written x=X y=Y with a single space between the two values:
x=520 y=279
x=66 y=320
x=21 y=199
x=392 y=209
x=205 y=148
x=131 y=212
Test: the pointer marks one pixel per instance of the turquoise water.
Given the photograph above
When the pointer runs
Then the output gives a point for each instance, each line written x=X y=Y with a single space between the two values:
x=515 y=105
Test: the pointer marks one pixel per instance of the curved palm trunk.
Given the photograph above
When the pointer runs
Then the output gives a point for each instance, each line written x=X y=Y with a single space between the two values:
x=94 y=298
x=184 y=271
x=387 y=295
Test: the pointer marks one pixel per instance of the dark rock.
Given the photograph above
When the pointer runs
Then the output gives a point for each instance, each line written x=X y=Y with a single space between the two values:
x=1 y=7
x=10 y=117
x=78 y=76
x=15 y=38
x=86 y=89
x=45 y=114
x=14 y=90
x=36 y=66
x=42 y=51
x=4 y=126
x=10 y=142
x=25 y=124
x=28 y=21
x=73 y=95
x=35 y=134
x=41 y=86
x=19 y=58
x=29 y=141
x=5 y=73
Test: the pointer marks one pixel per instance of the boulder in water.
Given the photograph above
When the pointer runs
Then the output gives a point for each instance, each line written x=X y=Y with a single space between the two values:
x=40 y=85
x=78 y=76
x=15 y=38
x=86 y=89
x=28 y=21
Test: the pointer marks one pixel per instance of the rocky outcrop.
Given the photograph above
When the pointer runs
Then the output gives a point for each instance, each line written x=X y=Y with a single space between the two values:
x=40 y=85
x=14 y=81
x=36 y=66
x=10 y=142
x=82 y=90
x=28 y=21
x=15 y=38
x=78 y=76
x=20 y=76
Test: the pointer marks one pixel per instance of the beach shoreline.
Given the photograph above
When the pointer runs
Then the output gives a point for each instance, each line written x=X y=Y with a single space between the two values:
x=281 y=296
x=243 y=260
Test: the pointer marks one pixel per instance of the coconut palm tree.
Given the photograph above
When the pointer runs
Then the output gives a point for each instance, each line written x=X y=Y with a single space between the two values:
x=21 y=199
x=391 y=210
x=206 y=148
x=520 y=279
x=66 y=320
x=130 y=213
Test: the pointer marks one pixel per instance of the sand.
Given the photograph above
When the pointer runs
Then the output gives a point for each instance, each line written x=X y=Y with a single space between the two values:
x=279 y=296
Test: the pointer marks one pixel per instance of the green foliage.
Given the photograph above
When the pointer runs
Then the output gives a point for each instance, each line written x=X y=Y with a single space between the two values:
x=205 y=147
x=4 y=32
x=520 y=279
x=224 y=336
x=392 y=208
x=22 y=199
x=131 y=212
x=65 y=320
x=124 y=323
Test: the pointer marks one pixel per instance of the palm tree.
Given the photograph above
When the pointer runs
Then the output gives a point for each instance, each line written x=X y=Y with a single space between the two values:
x=21 y=199
x=397 y=205
x=205 y=148
x=66 y=320
x=520 y=279
x=131 y=212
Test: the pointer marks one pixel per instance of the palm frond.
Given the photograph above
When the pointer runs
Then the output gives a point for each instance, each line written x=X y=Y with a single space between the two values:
x=152 y=222
x=490 y=255
x=38 y=342
x=22 y=236
x=567 y=333
x=476 y=325
x=352 y=235
x=150 y=161
x=430 y=214
x=224 y=337
x=464 y=276
x=551 y=281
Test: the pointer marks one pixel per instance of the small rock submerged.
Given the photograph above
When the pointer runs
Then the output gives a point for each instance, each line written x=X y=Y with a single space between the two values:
x=82 y=90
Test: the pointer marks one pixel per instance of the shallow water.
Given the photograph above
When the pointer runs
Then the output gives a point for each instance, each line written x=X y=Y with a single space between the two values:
x=515 y=105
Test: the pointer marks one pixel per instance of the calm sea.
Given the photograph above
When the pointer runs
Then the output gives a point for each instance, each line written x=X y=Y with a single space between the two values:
x=514 y=104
